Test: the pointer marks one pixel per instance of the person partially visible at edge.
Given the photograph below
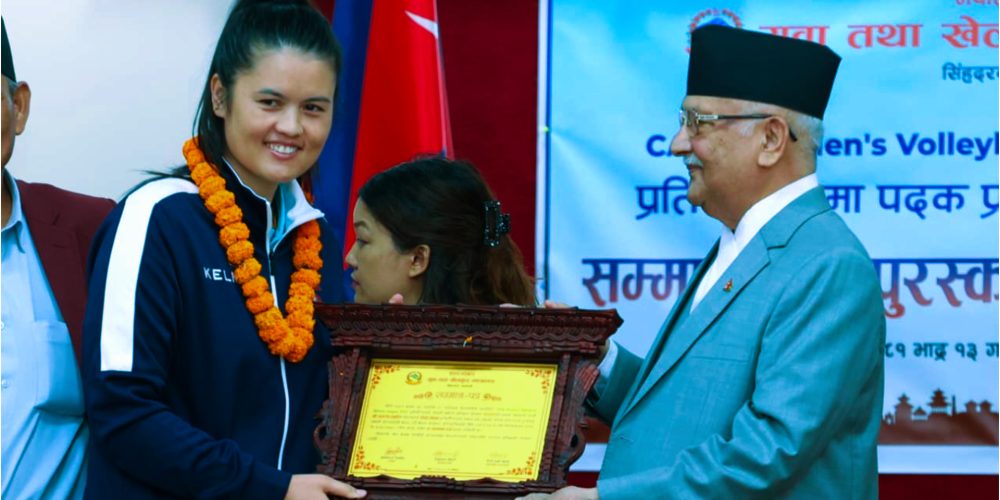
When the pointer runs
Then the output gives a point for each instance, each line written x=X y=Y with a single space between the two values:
x=430 y=231
x=46 y=237
x=203 y=363
x=766 y=379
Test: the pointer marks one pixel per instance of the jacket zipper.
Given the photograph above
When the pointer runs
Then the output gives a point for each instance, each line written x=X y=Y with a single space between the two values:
x=281 y=360
x=274 y=291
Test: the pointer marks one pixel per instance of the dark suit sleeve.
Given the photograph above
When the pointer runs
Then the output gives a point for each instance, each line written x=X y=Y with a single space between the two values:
x=624 y=371
x=819 y=371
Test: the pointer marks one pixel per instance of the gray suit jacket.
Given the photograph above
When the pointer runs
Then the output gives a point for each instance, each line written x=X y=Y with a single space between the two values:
x=770 y=388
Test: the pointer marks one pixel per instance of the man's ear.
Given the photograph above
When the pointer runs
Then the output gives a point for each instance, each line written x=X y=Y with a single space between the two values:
x=218 y=96
x=774 y=142
x=22 y=106
x=420 y=259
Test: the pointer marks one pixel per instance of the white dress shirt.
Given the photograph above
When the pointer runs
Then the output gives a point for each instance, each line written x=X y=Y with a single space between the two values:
x=732 y=243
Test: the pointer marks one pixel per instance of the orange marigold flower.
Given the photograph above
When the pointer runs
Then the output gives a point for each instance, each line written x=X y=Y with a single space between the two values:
x=284 y=345
x=195 y=157
x=246 y=271
x=255 y=287
x=305 y=337
x=308 y=230
x=307 y=260
x=298 y=305
x=228 y=215
x=189 y=144
x=260 y=303
x=232 y=233
x=307 y=245
x=307 y=276
x=296 y=349
x=313 y=246
x=210 y=186
x=214 y=182
x=297 y=354
x=192 y=154
x=304 y=321
x=302 y=290
x=220 y=200
x=240 y=251
x=272 y=334
x=301 y=245
x=268 y=319
x=279 y=348
x=202 y=171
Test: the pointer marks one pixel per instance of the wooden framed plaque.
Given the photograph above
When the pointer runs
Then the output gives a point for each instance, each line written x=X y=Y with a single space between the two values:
x=457 y=401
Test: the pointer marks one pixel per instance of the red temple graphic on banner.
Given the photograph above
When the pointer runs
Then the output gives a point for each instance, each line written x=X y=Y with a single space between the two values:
x=942 y=423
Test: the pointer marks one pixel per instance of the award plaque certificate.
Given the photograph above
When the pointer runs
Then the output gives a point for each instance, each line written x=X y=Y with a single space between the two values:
x=419 y=418
x=457 y=401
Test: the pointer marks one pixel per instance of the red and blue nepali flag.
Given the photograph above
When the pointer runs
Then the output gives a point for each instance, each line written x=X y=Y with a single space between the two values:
x=391 y=102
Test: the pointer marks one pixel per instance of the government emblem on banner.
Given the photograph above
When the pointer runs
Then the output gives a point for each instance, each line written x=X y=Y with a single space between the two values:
x=724 y=17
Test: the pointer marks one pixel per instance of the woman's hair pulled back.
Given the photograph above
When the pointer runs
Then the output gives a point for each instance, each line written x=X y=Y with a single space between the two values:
x=440 y=203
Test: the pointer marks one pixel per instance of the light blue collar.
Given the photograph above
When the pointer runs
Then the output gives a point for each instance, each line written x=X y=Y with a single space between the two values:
x=293 y=208
x=16 y=224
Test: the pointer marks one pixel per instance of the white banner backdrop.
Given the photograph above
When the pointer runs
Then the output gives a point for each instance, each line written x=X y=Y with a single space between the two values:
x=910 y=161
x=114 y=85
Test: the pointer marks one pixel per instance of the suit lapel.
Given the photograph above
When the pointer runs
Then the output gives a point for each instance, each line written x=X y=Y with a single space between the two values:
x=672 y=345
x=676 y=312
x=750 y=262
x=61 y=260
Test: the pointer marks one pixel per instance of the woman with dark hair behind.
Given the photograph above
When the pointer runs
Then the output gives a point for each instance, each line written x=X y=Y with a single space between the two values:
x=203 y=364
x=431 y=231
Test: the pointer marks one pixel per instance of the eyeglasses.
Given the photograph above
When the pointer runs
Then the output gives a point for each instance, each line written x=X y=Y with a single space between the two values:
x=691 y=119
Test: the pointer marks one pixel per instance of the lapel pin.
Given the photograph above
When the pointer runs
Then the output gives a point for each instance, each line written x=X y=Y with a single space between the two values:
x=728 y=286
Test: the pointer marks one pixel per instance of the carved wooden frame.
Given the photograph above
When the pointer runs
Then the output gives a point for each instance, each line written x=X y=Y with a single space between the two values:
x=569 y=338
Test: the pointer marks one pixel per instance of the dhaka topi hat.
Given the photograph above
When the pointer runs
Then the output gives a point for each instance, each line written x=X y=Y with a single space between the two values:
x=8 y=60
x=741 y=64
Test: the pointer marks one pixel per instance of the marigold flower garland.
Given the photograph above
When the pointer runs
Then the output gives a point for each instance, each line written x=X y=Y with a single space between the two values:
x=289 y=337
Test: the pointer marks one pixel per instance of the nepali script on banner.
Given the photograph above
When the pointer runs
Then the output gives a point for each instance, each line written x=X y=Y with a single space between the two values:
x=909 y=161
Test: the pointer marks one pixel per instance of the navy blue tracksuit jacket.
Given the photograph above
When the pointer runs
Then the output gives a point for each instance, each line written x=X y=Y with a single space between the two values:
x=183 y=397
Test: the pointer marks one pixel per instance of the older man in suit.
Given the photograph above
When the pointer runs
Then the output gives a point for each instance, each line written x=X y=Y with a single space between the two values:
x=46 y=236
x=766 y=378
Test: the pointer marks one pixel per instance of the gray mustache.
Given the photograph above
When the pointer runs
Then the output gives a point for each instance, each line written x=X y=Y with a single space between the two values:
x=692 y=161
